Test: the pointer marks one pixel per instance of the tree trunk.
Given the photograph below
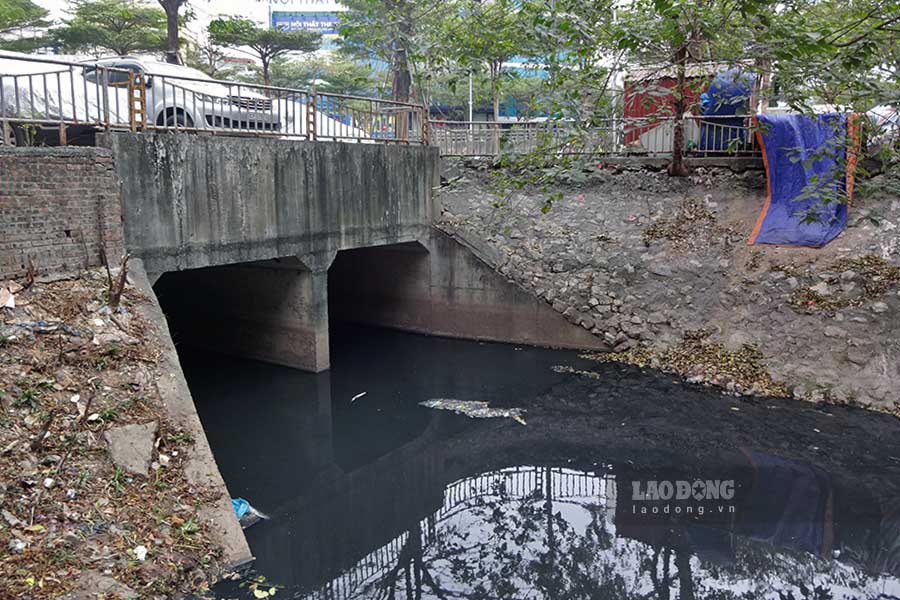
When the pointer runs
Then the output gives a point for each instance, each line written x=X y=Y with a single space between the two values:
x=677 y=168
x=495 y=97
x=495 y=90
x=764 y=90
x=265 y=69
x=171 y=8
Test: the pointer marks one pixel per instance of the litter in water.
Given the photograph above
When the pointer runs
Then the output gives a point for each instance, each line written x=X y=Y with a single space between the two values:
x=474 y=409
x=246 y=514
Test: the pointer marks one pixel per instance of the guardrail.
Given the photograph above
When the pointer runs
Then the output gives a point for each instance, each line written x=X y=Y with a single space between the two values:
x=704 y=136
x=50 y=94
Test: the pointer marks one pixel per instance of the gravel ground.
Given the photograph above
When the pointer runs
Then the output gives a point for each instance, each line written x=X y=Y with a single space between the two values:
x=659 y=268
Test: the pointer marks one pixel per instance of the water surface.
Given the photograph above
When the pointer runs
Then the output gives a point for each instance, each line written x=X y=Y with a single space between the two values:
x=622 y=485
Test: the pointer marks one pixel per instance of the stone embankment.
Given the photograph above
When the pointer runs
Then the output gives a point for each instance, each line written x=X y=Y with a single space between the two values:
x=659 y=268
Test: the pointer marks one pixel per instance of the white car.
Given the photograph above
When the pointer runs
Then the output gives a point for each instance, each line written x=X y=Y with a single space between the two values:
x=179 y=96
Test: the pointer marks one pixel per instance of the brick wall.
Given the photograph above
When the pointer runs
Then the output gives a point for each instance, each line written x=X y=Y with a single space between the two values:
x=56 y=207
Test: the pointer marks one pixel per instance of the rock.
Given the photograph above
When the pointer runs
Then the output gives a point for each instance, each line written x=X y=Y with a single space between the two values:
x=834 y=332
x=879 y=307
x=661 y=269
x=656 y=318
x=848 y=275
x=114 y=337
x=131 y=446
x=92 y=585
x=738 y=340
x=857 y=356
x=821 y=288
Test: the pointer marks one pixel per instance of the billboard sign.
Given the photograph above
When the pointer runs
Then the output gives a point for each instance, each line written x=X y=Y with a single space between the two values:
x=326 y=23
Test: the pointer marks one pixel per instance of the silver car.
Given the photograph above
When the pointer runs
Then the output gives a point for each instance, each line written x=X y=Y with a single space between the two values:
x=181 y=97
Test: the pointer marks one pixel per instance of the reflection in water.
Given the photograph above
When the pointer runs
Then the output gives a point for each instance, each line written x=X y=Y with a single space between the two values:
x=626 y=486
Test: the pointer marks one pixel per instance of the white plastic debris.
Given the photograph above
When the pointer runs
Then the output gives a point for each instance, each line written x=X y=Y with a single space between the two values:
x=474 y=409
x=140 y=552
x=7 y=298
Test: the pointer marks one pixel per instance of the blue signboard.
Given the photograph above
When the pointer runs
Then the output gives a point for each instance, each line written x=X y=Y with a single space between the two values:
x=326 y=23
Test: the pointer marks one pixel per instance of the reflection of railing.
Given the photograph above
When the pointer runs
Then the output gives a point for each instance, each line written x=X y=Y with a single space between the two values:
x=705 y=136
x=58 y=94
x=517 y=482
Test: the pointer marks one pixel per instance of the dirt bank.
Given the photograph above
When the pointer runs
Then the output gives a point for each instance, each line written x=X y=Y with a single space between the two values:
x=104 y=488
x=659 y=268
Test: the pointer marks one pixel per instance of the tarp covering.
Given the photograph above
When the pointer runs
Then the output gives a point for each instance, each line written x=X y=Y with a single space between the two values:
x=727 y=96
x=810 y=178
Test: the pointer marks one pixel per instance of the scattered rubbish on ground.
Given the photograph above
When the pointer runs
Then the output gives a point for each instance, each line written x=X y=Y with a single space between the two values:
x=474 y=409
x=357 y=397
x=68 y=508
x=246 y=514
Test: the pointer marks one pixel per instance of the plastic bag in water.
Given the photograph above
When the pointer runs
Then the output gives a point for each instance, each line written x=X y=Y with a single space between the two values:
x=246 y=514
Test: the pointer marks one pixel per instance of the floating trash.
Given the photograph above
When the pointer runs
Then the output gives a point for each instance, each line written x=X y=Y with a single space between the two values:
x=474 y=409
x=246 y=514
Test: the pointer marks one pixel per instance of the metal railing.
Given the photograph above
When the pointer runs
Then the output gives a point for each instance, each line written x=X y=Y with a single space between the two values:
x=654 y=137
x=45 y=93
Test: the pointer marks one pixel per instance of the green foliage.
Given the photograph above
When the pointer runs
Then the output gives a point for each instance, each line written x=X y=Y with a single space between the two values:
x=117 y=26
x=267 y=44
x=408 y=35
x=16 y=17
x=206 y=57
x=334 y=74
x=481 y=36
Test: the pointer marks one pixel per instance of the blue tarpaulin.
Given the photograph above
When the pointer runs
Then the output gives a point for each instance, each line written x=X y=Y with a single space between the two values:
x=728 y=100
x=810 y=178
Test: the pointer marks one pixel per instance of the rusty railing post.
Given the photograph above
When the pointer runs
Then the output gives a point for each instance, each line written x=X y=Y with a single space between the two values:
x=311 y=116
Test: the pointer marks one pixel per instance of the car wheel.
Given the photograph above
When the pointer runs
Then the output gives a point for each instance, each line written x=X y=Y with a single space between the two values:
x=179 y=119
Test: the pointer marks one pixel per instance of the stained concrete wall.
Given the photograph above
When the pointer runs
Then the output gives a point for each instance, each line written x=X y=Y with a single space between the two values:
x=441 y=287
x=195 y=201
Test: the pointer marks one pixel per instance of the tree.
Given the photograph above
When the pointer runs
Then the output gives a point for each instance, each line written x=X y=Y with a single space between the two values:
x=119 y=26
x=205 y=56
x=16 y=17
x=406 y=34
x=485 y=35
x=331 y=74
x=171 y=8
x=672 y=33
x=267 y=44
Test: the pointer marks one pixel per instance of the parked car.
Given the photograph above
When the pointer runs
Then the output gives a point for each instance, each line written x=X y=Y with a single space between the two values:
x=179 y=96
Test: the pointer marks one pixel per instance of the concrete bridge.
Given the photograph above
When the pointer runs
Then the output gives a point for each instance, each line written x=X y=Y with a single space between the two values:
x=253 y=244
x=246 y=237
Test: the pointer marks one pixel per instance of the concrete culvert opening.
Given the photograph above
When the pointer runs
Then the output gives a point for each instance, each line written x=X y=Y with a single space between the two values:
x=384 y=286
x=274 y=311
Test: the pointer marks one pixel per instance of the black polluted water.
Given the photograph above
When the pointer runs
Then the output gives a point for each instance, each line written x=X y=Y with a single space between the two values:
x=591 y=480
